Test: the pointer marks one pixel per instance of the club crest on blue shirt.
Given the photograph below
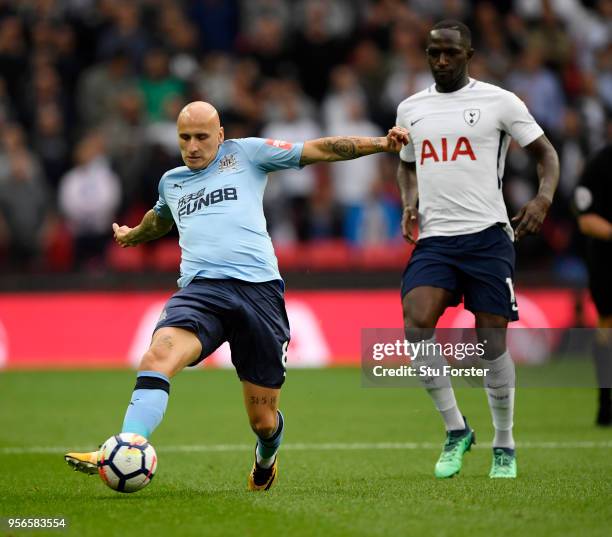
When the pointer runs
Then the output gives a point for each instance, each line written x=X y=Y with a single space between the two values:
x=471 y=116
x=228 y=162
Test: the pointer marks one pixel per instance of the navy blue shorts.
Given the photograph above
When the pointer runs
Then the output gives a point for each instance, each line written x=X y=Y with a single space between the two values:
x=478 y=267
x=250 y=316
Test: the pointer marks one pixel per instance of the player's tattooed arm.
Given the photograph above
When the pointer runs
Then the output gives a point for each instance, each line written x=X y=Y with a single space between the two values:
x=337 y=148
x=407 y=182
x=531 y=216
x=150 y=228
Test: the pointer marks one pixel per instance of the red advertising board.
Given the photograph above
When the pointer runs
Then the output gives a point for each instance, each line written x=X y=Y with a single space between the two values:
x=113 y=329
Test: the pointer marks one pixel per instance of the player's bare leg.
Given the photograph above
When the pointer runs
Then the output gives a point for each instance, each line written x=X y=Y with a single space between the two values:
x=267 y=422
x=500 y=386
x=422 y=307
x=171 y=350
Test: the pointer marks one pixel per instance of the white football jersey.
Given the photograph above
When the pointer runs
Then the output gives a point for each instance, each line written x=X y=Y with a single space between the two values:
x=459 y=141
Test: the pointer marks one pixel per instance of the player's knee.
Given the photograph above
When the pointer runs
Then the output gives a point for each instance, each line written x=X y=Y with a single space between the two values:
x=264 y=425
x=155 y=360
x=419 y=318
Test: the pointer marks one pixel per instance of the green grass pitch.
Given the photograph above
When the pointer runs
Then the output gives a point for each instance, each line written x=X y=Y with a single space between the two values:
x=333 y=479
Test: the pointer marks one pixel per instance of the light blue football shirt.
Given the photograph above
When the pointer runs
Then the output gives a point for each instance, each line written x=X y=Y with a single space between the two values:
x=219 y=210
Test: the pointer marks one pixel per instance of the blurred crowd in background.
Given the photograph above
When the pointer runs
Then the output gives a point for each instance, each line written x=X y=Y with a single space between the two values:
x=90 y=91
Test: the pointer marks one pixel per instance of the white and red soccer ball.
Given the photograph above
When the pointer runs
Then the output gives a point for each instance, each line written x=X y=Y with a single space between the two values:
x=127 y=462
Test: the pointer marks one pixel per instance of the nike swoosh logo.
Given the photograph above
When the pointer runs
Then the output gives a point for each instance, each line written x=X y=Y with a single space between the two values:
x=416 y=121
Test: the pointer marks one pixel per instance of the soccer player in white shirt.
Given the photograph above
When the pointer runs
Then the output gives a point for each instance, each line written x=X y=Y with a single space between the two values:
x=450 y=177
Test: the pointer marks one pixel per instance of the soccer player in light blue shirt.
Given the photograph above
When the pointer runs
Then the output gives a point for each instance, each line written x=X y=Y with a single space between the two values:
x=230 y=286
x=219 y=214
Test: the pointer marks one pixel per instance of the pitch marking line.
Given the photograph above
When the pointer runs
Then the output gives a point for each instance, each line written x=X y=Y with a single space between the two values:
x=339 y=446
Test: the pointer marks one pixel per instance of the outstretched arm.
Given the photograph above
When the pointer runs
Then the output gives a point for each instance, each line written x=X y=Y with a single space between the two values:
x=407 y=182
x=349 y=147
x=150 y=228
x=529 y=219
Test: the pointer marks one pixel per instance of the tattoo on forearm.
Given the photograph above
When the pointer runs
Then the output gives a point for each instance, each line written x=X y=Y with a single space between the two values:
x=353 y=147
x=151 y=227
x=344 y=148
x=378 y=145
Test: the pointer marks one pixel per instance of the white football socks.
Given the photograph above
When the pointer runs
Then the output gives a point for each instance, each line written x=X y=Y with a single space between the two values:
x=500 y=385
x=265 y=462
x=439 y=388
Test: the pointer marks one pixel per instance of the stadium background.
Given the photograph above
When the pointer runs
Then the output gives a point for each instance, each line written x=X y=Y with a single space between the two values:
x=89 y=92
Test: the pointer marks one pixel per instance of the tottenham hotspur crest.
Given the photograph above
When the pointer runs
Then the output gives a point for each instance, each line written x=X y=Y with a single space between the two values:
x=471 y=116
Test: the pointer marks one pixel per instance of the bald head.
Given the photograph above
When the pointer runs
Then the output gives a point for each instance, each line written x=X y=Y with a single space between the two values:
x=200 y=134
x=200 y=112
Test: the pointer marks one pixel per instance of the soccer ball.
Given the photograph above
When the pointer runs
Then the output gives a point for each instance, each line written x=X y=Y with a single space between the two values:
x=127 y=462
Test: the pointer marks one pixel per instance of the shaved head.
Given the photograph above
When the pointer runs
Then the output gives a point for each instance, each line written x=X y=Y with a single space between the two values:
x=200 y=112
x=200 y=134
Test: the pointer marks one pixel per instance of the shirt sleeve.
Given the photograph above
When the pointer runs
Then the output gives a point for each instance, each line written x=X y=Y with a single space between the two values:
x=407 y=151
x=270 y=155
x=518 y=122
x=161 y=207
x=589 y=196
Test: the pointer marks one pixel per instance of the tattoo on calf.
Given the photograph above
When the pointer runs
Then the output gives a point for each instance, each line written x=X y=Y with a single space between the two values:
x=262 y=400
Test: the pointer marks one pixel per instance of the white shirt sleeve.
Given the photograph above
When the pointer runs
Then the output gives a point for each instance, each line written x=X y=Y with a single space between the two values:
x=518 y=122
x=407 y=151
